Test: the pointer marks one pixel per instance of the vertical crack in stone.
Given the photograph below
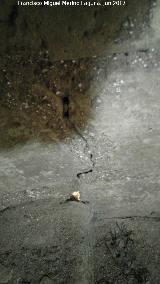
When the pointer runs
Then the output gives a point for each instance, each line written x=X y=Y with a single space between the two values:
x=65 y=101
x=86 y=148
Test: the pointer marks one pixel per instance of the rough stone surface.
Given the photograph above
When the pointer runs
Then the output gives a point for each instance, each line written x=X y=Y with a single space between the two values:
x=61 y=33
x=46 y=280
x=5 y=274
x=112 y=235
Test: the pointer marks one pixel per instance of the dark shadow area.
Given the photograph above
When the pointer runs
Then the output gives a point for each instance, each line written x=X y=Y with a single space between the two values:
x=45 y=101
x=66 y=102
x=37 y=48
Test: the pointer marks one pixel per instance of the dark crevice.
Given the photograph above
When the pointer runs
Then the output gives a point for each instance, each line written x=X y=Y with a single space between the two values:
x=65 y=101
x=87 y=147
x=85 y=34
x=84 y=173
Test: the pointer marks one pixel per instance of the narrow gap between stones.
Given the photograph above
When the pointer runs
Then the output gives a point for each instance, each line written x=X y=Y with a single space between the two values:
x=86 y=148
x=65 y=101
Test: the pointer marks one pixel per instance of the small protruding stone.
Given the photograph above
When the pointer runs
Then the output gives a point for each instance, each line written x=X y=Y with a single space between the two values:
x=75 y=196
